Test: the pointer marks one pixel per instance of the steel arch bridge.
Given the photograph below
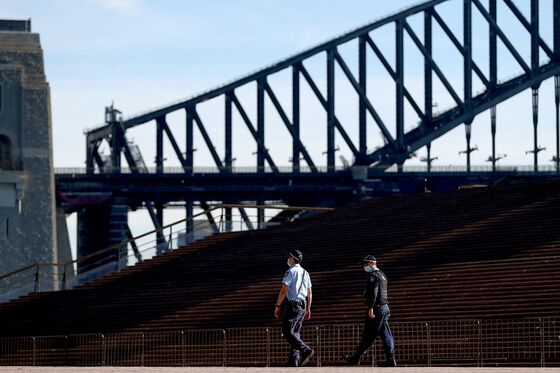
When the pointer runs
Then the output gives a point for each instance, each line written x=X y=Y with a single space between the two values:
x=305 y=179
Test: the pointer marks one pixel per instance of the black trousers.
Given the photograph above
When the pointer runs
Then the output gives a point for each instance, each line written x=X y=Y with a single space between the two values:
x=378 y=326
x=291 y=326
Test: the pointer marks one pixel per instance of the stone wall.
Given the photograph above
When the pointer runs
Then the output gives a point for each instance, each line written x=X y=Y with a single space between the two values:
x=25 y=119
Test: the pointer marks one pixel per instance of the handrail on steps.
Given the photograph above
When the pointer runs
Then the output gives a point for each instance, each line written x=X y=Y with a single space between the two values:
x=117 y=246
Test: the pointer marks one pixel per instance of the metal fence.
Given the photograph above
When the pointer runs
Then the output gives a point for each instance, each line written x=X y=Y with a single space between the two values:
x=526 y=168
x=526 y=342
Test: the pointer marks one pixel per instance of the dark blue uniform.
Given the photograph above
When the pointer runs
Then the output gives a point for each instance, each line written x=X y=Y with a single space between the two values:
x=375 y=296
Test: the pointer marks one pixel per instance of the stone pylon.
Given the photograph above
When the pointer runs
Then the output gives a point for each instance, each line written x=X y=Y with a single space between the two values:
x=27 y=187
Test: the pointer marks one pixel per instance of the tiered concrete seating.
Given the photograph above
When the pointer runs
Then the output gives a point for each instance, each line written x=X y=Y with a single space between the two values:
x=472 y=254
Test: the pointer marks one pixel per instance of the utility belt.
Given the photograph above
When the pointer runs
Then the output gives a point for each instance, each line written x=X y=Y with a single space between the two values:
x=378 y=304
x=294 y=305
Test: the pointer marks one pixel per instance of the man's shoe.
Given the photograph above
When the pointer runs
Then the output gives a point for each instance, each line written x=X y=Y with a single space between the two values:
x=290 y=363
x=388 y=363
x=305 y=356
x=351 y=359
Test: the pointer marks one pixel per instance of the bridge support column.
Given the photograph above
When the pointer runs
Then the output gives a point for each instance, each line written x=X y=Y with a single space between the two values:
x=229 y=220
x=117 y=139
x=99 y=227
x=330 y=111
x=468 y=128
x=469 y=150
x=228 y=158
x=160 y=239
x=261 y=148
x=429 y=157
x=493 y=129
x=260 y=216
x=189 y=140
x=295 y=118
x=536 y=148
x=189 y=213
x=362 y=56
x=535 y=97
x=557 y=102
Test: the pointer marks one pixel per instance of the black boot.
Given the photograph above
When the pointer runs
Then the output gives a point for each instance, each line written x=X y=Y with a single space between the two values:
x=390 y=362
x=305 y=356
x=352 y=359
x=291 y=363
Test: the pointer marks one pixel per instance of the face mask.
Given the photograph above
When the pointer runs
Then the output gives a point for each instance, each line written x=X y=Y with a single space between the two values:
x=368 y=269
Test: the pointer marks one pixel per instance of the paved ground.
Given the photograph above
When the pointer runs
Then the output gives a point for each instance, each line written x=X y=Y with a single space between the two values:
x=274 y=370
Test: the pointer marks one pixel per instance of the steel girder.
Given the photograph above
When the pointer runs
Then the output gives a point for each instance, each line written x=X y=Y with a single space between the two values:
x=396 y=149
x=307 y=189
x=165 y=188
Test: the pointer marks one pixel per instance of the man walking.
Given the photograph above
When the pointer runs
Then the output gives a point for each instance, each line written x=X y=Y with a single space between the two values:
x=377 y=316
x=294 y=300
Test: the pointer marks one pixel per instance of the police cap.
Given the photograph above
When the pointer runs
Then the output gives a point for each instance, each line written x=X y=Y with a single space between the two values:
x=296 y=254
x=369 y=258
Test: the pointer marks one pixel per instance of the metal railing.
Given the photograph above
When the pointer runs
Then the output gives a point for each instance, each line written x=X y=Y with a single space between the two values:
x=59 y=276
x=519 y=342
x=32 y=278
x=543 y=168
x=198 y=170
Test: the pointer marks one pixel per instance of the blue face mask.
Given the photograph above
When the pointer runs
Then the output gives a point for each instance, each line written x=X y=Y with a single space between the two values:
x=368 y=269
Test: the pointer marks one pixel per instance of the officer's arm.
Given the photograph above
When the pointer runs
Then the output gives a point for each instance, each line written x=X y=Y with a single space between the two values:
x=373 y=291
x=375 y=294
x=309 y=299
x=282 y=295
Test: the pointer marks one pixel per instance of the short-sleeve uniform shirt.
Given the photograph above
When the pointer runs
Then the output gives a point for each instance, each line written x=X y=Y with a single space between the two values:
x=293 y=279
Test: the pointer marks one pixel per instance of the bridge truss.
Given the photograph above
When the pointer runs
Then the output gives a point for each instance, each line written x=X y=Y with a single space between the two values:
x=307 y=180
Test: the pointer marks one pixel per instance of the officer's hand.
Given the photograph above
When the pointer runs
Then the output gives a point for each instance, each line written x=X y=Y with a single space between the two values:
x=371 y=314
x=307 y=315
x=277 y=312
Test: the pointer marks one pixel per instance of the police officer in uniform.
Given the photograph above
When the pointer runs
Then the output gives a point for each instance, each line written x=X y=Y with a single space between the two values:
x=293 y=306
x=377 y=317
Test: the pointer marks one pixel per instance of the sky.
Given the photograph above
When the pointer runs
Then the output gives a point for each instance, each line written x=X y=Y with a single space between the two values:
x=143 y=54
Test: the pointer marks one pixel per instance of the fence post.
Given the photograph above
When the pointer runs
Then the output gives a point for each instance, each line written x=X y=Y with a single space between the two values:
x=268 y=349
x=63 y=285
x=541 y=327
x=66 y=357
x=429 y=341
x=34 y=353
x=37 y=277
x=479 y=345
x=183 y=349
x=224 y=347
x=143 y=349
x=170 y=240
x=103 y=350
x=318 y=348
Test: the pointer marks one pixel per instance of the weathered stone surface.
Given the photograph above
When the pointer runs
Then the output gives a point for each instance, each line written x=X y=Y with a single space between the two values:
x=28 y=227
